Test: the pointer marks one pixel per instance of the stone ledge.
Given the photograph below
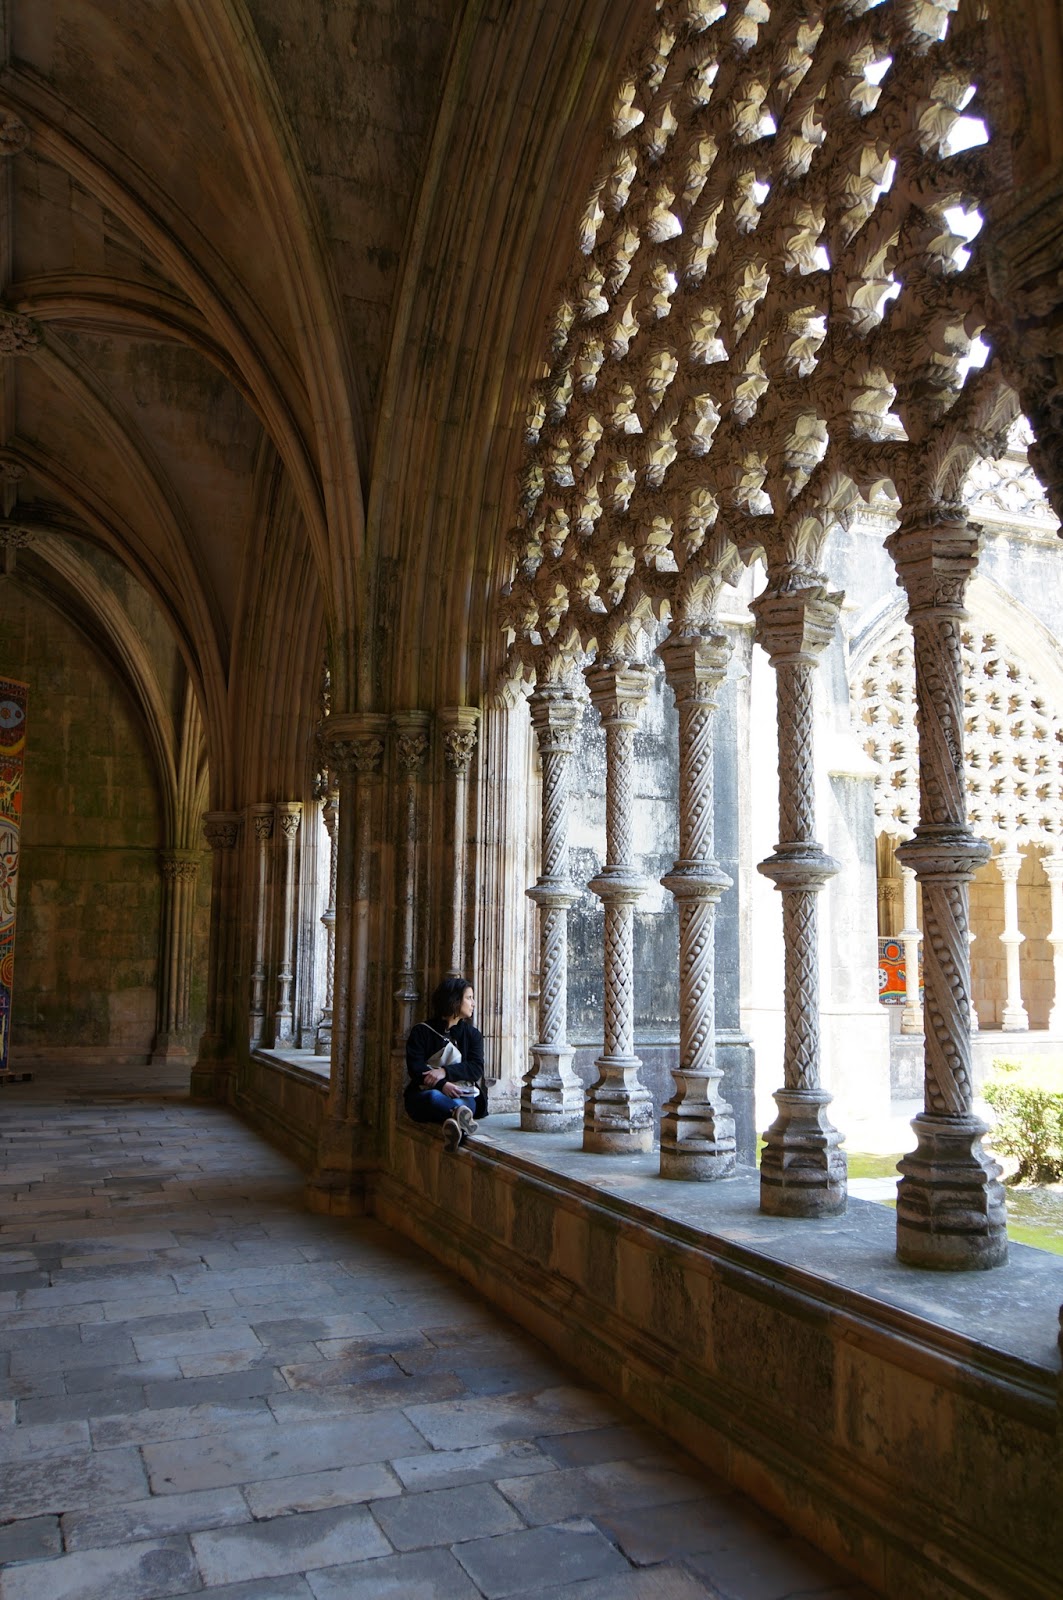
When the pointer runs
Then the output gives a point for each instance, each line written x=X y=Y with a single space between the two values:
x=911 y=1436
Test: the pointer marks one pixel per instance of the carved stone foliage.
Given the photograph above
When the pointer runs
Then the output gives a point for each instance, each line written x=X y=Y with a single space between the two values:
x=14 y=134
x=772 y=309
x=19 y=336
x=1013 y=738
x=459 y=744
x=221 y=832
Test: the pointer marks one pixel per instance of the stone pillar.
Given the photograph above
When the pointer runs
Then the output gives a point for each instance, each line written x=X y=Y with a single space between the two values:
x=355 y=746
x=411 y=750
x=1053 y=869
x=459 y=725
x=697 y=1124
x=330 y=817
x=911 y=939
x=802 y=1169
x=618 y=1108
x=551 y=1096
x=215 y=1062
x=262 y=822
x=950 y=1203
x=289 y=815
x=1015 y=1019
x=180 y=871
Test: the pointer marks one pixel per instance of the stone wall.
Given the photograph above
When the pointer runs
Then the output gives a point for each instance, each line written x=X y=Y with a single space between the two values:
x=88 y=916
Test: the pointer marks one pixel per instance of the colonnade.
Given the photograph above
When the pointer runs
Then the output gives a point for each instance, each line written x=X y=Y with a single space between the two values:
x=951 y=1202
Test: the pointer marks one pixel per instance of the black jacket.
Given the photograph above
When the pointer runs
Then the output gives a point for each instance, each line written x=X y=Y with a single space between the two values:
x=428 y=1037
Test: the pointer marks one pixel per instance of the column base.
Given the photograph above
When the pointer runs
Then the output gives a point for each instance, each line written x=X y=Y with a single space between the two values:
x=618 y=1109
x=697 y=1130
x=803 y=1173
x=337 y=1184
x=1015 y=1022
x=551 y=1096
x=951 y=1213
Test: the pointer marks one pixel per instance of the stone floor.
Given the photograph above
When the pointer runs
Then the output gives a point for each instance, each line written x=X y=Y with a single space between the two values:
x=205 y=1388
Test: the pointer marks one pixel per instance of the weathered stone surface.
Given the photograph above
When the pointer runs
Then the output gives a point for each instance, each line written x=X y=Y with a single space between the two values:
x=130 y=1572
x=153 y=1519
x=516 y=1562
x=444 y=1516
x=289 y=1544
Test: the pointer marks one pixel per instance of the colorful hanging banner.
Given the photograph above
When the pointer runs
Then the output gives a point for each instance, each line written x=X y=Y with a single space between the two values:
x=892 y=977
x=13 y=699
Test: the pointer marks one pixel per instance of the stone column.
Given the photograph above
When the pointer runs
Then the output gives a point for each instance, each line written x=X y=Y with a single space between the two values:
x=215 y=1061
x=459 y=724
x=802 y=1169
x=911 y=939
x=1015 y=1019
x=329 y=816
x=697 y=1124
x=411 y=751
x=950 y=1203
x=289 y=816
x=180 y=871
x=1053 y=869
x=618 y=1108
x=551 y=1096
x=262 y=822
x=355 y=745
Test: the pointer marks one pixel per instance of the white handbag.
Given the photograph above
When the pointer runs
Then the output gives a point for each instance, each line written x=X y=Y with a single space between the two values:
x=448 y=1055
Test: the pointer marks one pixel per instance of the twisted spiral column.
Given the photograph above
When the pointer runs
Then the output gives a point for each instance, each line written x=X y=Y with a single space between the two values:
x=697 y=1124
x=551 y=1095
x=803 y=1170
x=950 y=1203
x=618 y=1108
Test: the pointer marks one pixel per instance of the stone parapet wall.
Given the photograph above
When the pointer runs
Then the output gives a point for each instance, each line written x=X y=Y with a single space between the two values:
x=924 y=1461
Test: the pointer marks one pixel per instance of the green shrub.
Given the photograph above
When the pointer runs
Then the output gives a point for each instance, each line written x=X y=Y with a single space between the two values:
x=1027 y=1097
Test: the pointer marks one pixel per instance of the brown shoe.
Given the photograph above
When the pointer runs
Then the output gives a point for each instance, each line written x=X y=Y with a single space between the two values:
x=451 y=1134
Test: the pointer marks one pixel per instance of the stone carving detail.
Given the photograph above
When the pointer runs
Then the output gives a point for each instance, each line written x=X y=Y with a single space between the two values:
x=19 y=336
x=14 y=134
x=263 y=826
x=551 y=1094
x=618 y=1109
x=1012 y=736
x=950 y=1205
x=697 y=1124
x=411 y=749
x=221 y=833
x=179 y=867
x=803 y=1172
x=459 y=744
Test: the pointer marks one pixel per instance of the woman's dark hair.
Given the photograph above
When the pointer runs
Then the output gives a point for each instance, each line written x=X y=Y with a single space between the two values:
x=446 y=1001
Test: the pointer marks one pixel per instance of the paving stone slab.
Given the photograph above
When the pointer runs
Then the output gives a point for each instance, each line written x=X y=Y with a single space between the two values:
x=87 y=1403
x=180 y=1422
x=587 y=1449
x=423 y=1575
x=768 y=1569
x=81 y=1379
x=444 y=1516
x=219 y=1362
x=244 y=1456
x=449 y=1469
x=247 y=1384
x=319 y=1491
x=296 y=1543
x=654 y=1583
x=46 y=1439
x=130 y=1572
x=154 y=1518
x=718 y=1522
x=563 y=1409
x=290 y=1587
x=306 y=1404
x=516 y=1563
x=332 y=1325
x=29 y=1539
x=610 y=1486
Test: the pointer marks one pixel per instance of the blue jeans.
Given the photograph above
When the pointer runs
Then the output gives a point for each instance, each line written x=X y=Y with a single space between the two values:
x=432 y=1105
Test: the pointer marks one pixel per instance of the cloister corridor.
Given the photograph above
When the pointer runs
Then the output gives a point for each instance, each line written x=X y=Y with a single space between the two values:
x=207 y=1389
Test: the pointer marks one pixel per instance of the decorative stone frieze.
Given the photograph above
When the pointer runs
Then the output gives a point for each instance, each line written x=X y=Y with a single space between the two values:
x=551 y=1096
x=802 y=1171
x=950 y=1204
x=697 y=1124
x=618 y=1108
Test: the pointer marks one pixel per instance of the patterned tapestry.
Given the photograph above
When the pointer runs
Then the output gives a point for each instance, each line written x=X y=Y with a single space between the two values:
x=891 y=973
x=13 y=698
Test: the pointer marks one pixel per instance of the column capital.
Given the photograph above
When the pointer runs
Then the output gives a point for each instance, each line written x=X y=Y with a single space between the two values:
x=459 y=725
x=179 y=866
x=935 y=551
x=289 y=816
x=695 y=663
x=618 y=691
x=410 y=732
x=555 y=712
x=262 y=819
x=1052 y=867
x=355 y=741
x=221 y=829
x=795 y=621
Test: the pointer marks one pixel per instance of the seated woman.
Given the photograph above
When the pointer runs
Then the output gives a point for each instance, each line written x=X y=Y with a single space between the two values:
x=445 y=1064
